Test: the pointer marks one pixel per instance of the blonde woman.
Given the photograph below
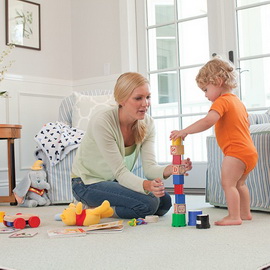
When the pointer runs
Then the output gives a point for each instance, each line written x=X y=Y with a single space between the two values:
x=217 y=79
x=114 y=138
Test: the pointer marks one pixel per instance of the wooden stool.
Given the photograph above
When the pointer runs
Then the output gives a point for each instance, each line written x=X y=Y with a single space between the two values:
x=9 y=133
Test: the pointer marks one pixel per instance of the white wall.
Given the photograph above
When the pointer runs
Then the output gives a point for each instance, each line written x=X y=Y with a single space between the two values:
x=54 y=59
x=96 y=38
x=78 y=37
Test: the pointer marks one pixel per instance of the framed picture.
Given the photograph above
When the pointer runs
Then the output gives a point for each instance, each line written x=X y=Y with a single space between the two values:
x=23 y=24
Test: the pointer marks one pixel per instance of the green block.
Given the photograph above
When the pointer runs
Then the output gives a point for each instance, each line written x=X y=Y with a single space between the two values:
x=178 y=220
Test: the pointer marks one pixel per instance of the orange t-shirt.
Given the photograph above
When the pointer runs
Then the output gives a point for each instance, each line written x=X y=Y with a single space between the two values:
x=232 y=129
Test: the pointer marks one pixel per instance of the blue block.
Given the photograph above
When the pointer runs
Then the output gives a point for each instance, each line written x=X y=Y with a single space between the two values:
x=178 y=179
x=180 y=198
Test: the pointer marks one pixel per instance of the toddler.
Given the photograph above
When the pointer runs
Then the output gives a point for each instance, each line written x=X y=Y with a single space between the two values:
x=217 y=79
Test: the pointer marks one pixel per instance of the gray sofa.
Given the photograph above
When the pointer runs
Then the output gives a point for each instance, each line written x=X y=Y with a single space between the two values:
x=258 y=181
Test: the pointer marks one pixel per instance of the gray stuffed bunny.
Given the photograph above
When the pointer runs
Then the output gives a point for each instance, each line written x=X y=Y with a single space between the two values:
x=31 y=191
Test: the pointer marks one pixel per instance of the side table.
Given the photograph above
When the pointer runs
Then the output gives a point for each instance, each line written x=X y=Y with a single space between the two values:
x=10 y=133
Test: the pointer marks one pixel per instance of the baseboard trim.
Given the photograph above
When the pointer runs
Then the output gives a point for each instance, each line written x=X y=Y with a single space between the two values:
x=190 y=191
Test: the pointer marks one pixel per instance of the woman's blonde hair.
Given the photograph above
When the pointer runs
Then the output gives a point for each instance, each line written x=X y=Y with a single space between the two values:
x=123 y=88
x=217 y=69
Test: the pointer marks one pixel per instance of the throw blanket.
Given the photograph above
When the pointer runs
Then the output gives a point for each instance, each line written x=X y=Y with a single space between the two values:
x=56 y=140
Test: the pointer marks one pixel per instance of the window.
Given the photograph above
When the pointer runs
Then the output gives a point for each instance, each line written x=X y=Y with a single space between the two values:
x=253 y=18
x=174 y=29
x=181 y=36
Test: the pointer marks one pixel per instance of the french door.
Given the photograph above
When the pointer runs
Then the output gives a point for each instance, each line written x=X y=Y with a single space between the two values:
x=176 y=37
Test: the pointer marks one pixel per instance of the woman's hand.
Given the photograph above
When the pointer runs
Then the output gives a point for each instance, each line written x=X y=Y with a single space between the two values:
x=155 y=186
x=188 y=165
x=168 y=170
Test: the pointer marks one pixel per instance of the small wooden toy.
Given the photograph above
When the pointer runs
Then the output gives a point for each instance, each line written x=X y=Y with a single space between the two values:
x=19 y=221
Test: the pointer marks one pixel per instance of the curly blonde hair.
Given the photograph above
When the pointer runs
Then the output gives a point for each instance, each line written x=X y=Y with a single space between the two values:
x=123 y=88
x=214 y=70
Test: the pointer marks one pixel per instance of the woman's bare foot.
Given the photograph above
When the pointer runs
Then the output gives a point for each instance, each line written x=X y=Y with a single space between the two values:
x=246 y=216
x=226 y=221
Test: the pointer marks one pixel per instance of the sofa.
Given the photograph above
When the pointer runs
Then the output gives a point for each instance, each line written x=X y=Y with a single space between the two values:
x=74 y=114
x=258 y=180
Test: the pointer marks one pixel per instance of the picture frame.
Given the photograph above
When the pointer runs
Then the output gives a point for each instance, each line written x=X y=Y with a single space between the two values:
x=23 y=24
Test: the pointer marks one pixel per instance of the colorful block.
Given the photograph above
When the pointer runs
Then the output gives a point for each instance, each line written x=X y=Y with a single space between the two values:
x=178 y=189
x=180 y=198
x=178 y=220
x=177 y=149
x=192 y=217
x=178 y=169
x=178 y=141
x=178 y=179
x=179 y=208
x=176 y=159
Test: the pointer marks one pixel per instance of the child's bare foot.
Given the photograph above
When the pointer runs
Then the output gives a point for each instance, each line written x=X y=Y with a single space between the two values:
x=246 y=216
x=228 y=221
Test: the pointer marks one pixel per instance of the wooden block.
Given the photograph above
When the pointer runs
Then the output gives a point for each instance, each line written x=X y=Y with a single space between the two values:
x=178 y=169
x=176 y=159
x=179 y=208
x=178 y=189
x=177 y=149
x=178 y=141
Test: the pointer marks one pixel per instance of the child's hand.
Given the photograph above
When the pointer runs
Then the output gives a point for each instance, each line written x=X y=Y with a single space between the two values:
x=178 y=133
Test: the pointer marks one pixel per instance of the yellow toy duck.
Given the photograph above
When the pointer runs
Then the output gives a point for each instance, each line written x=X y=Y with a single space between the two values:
x=76 y=215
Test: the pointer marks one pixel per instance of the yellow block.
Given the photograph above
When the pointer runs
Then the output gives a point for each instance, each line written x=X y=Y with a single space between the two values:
x=178 y=141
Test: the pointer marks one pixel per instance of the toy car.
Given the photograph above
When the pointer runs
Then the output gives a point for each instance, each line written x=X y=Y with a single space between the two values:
x=19 y=221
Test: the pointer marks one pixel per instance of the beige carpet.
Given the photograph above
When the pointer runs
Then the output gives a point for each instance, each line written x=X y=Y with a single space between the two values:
x=151 y=246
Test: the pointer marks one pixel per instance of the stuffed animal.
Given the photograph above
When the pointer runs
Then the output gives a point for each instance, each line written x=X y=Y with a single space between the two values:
x=32 y=190
x=76 y=215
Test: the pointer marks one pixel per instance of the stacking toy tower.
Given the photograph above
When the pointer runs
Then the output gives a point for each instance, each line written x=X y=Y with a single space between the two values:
x=179 y=215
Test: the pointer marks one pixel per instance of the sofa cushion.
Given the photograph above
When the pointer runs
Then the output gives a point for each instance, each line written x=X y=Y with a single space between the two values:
x=259 y=118
x=85 y=106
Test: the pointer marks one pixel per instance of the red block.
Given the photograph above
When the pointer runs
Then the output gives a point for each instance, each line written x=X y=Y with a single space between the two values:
x=178 y=189
x=176 y=159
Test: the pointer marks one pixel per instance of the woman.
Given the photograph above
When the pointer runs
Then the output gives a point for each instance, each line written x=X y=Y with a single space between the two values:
x=114 y=139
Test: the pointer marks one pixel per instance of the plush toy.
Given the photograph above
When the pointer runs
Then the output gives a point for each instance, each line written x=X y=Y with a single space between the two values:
x=32 y=190
x=76 y=215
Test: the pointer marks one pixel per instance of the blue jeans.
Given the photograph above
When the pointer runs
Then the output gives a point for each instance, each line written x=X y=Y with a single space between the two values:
x=127 y=203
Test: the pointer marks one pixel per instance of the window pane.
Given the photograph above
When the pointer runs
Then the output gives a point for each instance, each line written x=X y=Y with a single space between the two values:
x=255 y=82
x=248 y=2
x=163 y=142
x=253 y=29
x=164 y=97
x=192 y=97
x=162 y=47
x=195 y=144
x=191 y=8
x=160 y=11
x=193 y=42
